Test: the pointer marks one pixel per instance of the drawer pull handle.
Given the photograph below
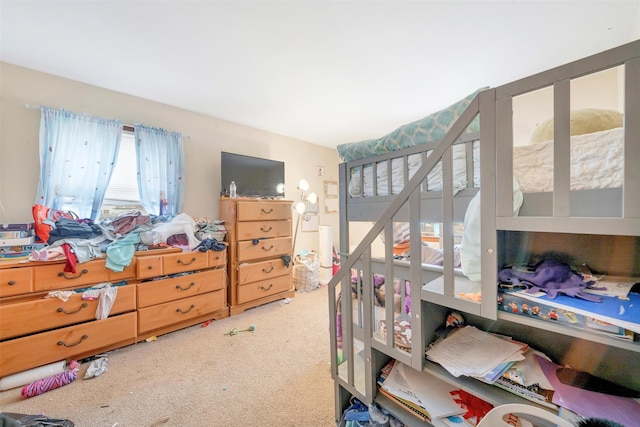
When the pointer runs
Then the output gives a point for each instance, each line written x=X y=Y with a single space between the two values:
x=84 y=337
x=266 y=230
x=179 y=310
x=187 y=263
x=188 y=287
x=267 y=212
x=264 y=270
x=62 y=310
x=62 y=274
x=12 y=282
x=266 y=289
x=150 y=267
x=267 y=249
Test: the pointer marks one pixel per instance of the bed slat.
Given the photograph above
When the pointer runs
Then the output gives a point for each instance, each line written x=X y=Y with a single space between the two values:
x=631 y=203
x=561 y=147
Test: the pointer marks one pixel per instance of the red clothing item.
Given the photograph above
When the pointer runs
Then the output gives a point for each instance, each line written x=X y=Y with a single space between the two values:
x=72 y=259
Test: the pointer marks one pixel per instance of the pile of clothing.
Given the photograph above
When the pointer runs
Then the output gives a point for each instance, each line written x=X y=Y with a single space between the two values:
x=81 y=240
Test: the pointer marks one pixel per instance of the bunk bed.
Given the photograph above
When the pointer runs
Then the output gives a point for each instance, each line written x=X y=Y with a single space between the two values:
x=577 y=192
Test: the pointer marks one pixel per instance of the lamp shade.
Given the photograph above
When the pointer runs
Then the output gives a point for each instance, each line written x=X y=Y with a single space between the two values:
x=303 y=185
x=300 y=207
x=312 y=198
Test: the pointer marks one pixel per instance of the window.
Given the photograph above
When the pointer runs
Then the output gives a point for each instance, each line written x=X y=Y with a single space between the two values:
x=123 y=194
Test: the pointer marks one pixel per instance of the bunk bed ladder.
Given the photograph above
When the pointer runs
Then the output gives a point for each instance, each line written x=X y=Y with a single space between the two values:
x=351 y=381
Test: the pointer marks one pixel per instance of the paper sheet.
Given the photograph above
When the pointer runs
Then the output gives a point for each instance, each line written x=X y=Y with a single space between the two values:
x=472 y=352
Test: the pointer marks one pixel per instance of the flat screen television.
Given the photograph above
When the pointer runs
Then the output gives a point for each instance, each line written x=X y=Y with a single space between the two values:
x=254 y=177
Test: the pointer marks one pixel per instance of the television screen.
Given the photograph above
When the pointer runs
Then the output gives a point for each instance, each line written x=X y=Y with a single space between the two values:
x=254 y=177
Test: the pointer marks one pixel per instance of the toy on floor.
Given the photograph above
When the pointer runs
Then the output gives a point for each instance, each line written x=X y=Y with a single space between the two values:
x=53 y=382
x=236 y=331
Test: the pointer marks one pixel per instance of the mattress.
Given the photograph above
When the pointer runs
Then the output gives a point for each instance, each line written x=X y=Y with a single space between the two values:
x=596 y=162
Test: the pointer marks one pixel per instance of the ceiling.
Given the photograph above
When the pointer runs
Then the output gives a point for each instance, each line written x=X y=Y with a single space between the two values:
x=326 y=72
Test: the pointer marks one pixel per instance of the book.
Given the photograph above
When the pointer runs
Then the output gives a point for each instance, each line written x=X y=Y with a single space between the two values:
x=613 y=286
x=17 y=226
x=458 y=421
x=526 y=379
x=19 y=252
x=474 y=408
x=18 y=241
x=422 y=390
x=15 y=234
x=22 y=248
x=414 y=409
x=14 y=255
x=534 y=394
x=613 y=310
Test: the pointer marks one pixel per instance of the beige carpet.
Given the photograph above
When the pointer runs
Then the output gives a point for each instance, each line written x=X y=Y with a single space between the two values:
x=277 y=375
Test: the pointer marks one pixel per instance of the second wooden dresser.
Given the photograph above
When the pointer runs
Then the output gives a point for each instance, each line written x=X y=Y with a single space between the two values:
x=260 y=248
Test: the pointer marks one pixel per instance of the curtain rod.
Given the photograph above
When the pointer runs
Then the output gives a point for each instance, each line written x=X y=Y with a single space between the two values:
x=128 y=128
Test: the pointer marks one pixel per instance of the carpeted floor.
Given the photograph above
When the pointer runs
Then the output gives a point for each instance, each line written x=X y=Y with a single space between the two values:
x=277 y=375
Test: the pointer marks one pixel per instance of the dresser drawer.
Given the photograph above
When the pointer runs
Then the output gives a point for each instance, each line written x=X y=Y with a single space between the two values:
x=49 y=277
x=267 y=248
x=184 y=261
x=149 y=266
x=60 y=344
x=16 y=281
x=159 y=291
x=263 y=229
x=159 y=316
x=263 y=288
x=217 y=258
x=262 y=270
x=129 y=272
x=252 y=211
x=27 y=317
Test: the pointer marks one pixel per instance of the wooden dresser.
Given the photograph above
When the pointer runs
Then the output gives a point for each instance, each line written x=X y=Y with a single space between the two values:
x=180 y=289
x=159 y=292
x=260 y=250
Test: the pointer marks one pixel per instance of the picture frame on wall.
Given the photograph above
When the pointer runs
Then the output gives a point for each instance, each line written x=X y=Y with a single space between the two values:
x=310 y=223
x=330 y=196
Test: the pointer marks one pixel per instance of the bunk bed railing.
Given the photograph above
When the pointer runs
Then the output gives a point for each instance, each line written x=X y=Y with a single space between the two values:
x=374 y=181
x=339 y=287
x=609 y=216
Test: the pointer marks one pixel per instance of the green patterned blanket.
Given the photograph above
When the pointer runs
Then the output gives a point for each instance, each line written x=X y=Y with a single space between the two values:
x=429 y=129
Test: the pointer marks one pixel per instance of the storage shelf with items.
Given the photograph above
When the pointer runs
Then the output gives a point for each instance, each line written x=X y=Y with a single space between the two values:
x=260 y=250
x=510 y=222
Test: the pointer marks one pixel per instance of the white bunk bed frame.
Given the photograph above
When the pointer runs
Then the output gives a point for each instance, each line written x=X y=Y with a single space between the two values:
x=561 y=211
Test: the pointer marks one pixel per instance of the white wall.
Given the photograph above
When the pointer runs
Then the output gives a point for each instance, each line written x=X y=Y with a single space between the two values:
x=204 y=138
x=600 y=90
